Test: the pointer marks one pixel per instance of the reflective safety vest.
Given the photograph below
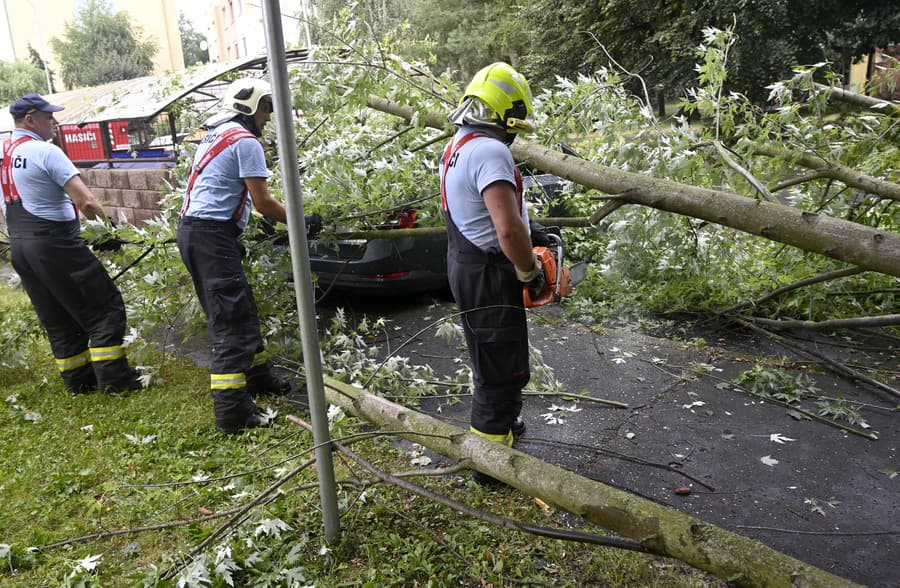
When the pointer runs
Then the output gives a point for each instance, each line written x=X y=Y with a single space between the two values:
x=451 y=151
x=227 y=138
x=10 y=192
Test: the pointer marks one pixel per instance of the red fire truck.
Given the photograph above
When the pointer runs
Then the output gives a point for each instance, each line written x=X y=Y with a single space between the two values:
x=84 y=143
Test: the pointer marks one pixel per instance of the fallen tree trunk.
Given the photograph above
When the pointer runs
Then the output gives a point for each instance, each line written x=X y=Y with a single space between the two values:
x=662 y=530
x=570 y=222
x=867 y=247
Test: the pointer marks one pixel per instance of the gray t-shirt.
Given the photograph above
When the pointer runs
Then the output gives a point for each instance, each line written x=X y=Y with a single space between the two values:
x=39 y=172
x=475 y=166
x=219 y=188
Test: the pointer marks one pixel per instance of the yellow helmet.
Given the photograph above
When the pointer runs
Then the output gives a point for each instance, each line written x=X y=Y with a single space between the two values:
x=497 y=96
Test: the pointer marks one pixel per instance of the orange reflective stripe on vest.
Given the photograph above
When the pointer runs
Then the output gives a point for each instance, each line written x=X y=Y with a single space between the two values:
x=10 y=192
x=227 y=138
x=451 y=151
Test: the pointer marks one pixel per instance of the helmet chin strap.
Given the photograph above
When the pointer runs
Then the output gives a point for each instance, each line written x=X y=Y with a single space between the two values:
x=248 y=122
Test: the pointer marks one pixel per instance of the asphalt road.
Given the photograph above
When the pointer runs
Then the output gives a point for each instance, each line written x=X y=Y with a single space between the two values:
x=816 y=492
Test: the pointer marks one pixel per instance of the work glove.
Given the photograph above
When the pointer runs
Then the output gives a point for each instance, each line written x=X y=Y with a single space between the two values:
x=313 y=226
x=267 y=226
x=539 y=234
x=108 y=242
x=533 y=279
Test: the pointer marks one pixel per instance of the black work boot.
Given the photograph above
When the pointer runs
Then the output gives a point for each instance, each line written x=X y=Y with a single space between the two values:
x=117 y=376
x=260 y=381
x=131 y=380
x=235 y=411
x=518 y=427
x=80 y=380
x=485 y=480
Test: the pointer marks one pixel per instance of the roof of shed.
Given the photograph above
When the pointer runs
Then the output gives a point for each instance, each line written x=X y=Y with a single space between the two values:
x=144 y=98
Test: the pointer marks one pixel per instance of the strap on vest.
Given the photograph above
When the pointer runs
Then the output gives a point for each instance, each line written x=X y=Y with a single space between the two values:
x=10 y=192
x=451 y=151
x=227 y=138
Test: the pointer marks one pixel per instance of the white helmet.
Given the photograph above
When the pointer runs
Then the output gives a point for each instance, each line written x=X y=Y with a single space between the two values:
x=241 y=97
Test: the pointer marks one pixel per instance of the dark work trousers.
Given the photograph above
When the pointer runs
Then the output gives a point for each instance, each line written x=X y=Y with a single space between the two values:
x=76 y=301
x=496 y=337
x=212 y=254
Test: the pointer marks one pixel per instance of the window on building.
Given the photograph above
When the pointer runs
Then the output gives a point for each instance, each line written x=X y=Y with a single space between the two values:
x=231 y=10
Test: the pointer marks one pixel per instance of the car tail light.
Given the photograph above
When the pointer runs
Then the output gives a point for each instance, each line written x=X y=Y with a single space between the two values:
x=389 y=276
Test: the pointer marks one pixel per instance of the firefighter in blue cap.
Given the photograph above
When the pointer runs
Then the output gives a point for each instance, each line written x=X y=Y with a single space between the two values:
x=75 y=299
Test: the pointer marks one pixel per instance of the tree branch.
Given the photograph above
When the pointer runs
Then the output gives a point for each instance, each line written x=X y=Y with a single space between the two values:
x=824 y=533
x=857 y=244
x=887 y=320
x=662 y=530
x=799 y=284
x=885 y=106
x=831 y=169
x=723 y=153
x=465 y=509
x=834 y=365
x=807 y=177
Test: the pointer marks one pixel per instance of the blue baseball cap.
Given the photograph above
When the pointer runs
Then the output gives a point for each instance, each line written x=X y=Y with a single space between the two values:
x=31 y=103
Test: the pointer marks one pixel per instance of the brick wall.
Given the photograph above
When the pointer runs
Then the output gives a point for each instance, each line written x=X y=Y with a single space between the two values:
x=132 y=194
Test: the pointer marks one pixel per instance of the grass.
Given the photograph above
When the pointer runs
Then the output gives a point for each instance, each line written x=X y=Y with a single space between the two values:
x=71 y=466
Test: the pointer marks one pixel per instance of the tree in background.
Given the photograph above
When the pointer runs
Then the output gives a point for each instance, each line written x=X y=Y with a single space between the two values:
x=193 y=42
x=657 y=38
x=18 y=78
x=102 y=46
x=460 y=35
x=35 y=59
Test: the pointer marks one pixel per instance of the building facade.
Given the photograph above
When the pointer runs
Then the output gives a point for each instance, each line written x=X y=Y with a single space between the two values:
x=234 y=28
x=33 y=23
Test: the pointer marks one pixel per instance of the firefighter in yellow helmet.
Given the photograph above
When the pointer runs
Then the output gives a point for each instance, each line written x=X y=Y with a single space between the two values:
x=489 y=249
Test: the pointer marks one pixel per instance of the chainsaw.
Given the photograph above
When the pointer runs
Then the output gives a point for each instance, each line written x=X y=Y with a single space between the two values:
x=559 y=279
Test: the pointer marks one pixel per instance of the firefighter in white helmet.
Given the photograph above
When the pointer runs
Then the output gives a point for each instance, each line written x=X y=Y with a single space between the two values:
x=228 y=175
x=489 y=249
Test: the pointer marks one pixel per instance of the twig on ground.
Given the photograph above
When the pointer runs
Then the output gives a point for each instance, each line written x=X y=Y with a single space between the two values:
x=789 y=406
x=624 y=457
x=440 y=540
x=504 y=522
x=834 y=365
x=822 y=533
x=263 y=497
x=526 y=392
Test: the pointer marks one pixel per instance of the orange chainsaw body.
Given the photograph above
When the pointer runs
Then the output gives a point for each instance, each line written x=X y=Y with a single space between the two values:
x=557 y=282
